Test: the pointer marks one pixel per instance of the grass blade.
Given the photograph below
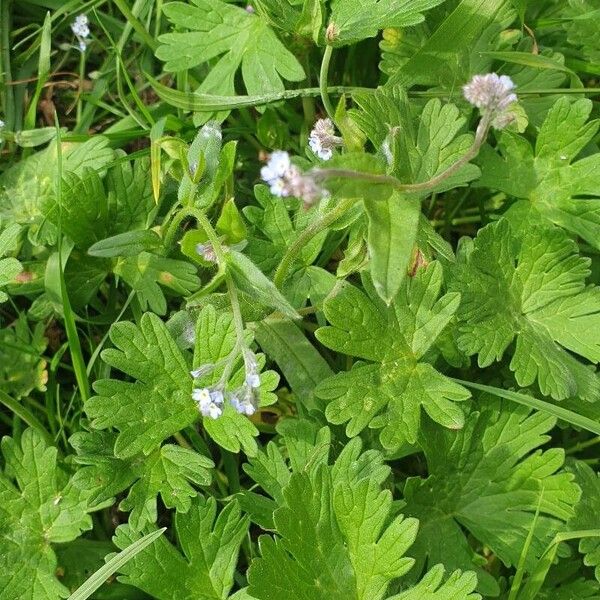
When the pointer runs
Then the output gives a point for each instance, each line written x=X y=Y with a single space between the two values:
x=93 y=582
x=561 y=413
x=26 y=415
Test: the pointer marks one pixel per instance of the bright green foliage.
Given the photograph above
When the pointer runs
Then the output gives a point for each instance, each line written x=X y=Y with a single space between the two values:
x=169 y=471
x=351 y=22
x=337 y=538
x=587 y=515
x=532 y=289
x=215 y=340
x=39 y=506
x=242 y=38
x=26 y=186
x=22 y=368
x=274 y=230
x=210 y=546
x=160 y=403
x=389 y=392
x=147 y=272
x=415 y=150
x=92 y=209
x=459 y=586
x=155 y=406
x=548 y=181
x=489 y=478
x=9 y=267
x=580 y=25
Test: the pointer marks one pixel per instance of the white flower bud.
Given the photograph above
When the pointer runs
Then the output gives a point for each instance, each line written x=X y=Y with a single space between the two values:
x=492 y=94
x=322 y=139
x=286 y=179
x=210 y=402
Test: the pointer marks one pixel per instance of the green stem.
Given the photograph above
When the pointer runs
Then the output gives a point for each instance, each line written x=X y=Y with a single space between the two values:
x=136 y=24
x=238 y=321
x=308 y=234
x=6 y=89
x=323 y=81
x=26 y=415
x=80 y=87
x=425 y=186
x=582 y=445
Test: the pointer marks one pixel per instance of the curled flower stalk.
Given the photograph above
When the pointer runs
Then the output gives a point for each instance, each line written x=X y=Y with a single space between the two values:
x=492 y=94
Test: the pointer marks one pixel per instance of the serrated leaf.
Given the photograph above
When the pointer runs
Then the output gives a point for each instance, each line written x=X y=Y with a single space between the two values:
x=549 y=183
x=351 y=22
x=168 y=472
x=216 y=340
x=28 y=184
x=532 y=290
x=240 y=39
x=39 y=506
x=392 y=232
x=145 y=271
x=337 y=535
x=210 y=545
x=389 y=392
x=487 y=479
x=586 y=512
x=155 y=406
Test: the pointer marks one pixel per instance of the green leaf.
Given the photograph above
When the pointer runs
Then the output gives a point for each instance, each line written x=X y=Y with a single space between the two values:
x=129 y=243
x=92 y=209
x=487 y=479
x=350 y=22
x=251 y=280
x=28 y=185
x=392 y=232
x=459 y=586
x=168 y=471
x=23 y=367
x=532 y=291
x=274 y=229
x=240 y=39
x=337 y=535
x=549 y=183
x=389 y=392
x=215 y=341
x=145 y=271
x=443 y=57
x=155 y=406
x=39 y=506
x=210 y=546
x=416 y=150
x=586 y=513
x=300 y=363
x=9 y=267
x=101 y=575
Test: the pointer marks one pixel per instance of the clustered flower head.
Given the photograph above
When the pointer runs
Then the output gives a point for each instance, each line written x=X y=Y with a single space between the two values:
x=322 y=139
x=81 y=29
x=211 y=400
x=2 y=124
x=492 y=94
x=286 y=179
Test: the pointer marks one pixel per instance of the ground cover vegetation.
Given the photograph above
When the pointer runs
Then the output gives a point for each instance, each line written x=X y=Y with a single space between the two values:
x=299 y=299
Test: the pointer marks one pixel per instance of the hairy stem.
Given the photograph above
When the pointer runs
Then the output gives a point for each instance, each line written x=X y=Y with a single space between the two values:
x=324 y=73
x=425 y=186
x=308 y=234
